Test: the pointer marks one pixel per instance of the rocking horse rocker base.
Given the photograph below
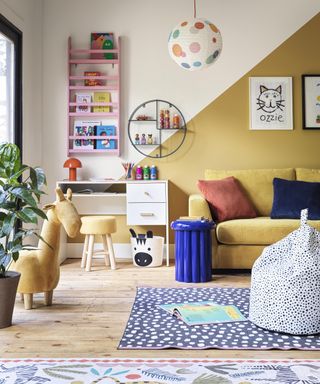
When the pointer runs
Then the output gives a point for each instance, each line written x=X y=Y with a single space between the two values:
x=40 y=268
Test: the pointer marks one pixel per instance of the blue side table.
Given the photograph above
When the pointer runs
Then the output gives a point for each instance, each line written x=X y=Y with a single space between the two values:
x=193 y=250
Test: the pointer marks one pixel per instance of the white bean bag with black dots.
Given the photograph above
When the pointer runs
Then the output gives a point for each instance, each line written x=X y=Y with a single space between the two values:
x=285 y=284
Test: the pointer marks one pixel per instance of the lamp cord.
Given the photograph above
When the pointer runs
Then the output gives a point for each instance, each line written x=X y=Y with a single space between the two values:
x=194 y=9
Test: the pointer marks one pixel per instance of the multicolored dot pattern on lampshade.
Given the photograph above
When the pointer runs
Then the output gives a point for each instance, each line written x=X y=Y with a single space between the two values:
x=195 y=44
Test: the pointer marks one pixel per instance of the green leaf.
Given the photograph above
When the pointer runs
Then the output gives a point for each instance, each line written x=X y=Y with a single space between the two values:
x=22 y=233
x=24 y=195
x=15 y=256
x=27 y=216
x=8 y=224
x=19 y=173
x=38 y=212
x=10 y=160
x=16 y=248
x=41 y=177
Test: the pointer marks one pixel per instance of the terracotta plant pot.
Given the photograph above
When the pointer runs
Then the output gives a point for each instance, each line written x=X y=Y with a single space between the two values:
x=8 y=291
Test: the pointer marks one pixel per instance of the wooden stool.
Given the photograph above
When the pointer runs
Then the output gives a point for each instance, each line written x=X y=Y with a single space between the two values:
x=98 y=225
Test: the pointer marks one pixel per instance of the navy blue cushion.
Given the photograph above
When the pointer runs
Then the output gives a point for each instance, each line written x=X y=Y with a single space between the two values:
x=289 y=197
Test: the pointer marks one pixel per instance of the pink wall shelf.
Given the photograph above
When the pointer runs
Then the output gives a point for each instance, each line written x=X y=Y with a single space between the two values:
x=108 y=79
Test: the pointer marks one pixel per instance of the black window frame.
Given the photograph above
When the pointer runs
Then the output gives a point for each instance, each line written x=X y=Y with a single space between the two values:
x=15 y=35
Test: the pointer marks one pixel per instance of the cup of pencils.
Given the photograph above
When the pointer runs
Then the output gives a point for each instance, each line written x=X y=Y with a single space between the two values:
x=128 y=167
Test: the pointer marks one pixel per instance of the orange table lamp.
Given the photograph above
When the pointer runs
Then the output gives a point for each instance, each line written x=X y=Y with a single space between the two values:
x=72 y=163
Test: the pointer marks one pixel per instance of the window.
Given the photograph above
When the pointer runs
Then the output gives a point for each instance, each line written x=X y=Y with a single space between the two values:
x=10 y=83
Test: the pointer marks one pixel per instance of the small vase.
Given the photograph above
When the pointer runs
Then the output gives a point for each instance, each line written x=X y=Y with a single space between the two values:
x=8 y=292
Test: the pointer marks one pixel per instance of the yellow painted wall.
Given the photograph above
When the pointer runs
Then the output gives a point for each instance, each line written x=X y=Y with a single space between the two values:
x=219 y=136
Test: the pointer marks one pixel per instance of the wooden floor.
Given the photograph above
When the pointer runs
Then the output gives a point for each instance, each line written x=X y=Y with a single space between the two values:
x=90 y=311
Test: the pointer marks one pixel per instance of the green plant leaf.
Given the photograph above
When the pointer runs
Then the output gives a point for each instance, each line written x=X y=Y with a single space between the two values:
x=38 y=212
x=8 y=224
x=16 y=248
x=10 y=162
x=41 y=177
x=22 y=233
x=24 y=195
x=16 y=175
x=15 y=256
x=27 y=216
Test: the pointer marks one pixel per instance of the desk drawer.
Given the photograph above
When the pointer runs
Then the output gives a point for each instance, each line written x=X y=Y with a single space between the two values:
x=146 y=213
x=146 y=193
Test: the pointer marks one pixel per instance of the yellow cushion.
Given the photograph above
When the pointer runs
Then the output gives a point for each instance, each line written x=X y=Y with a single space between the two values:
x=305 y=174
x=257 y=231
x=257 y=183
x=98 y=225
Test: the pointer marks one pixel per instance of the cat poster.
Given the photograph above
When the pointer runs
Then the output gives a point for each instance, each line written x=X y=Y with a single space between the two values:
x=270 y=103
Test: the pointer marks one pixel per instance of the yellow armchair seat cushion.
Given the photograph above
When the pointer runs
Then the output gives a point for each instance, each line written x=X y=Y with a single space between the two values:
x=257 y=231
x=256 y=183
x=98 y=225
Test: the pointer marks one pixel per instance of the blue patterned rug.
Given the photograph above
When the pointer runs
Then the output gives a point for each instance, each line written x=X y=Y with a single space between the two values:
x=150 y=327
x=158 y=371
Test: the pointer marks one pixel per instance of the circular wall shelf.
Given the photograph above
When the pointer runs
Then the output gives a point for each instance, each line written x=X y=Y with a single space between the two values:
x=153 y=128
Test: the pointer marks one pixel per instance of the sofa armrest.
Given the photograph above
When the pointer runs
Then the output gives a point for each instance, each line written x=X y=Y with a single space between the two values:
x=198 y=206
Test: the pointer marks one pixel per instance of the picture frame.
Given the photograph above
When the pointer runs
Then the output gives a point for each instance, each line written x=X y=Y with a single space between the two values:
x=270 y=103
x=310 y=101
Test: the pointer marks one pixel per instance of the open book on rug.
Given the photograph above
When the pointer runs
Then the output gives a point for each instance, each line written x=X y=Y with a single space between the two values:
x=204 y=312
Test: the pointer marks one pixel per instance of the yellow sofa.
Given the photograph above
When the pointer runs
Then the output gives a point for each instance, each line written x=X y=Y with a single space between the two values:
x=238 y=243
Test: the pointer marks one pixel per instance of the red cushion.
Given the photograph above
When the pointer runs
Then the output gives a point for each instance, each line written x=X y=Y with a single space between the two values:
x=226 y=199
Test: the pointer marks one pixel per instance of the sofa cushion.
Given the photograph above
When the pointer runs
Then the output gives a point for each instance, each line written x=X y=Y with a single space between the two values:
x=306 y=174
x=291 y=196
x=226 y=199
x=256 y=183
x=257 y=231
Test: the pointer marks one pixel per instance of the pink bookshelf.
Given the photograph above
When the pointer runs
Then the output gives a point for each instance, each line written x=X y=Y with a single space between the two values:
x=79 y=62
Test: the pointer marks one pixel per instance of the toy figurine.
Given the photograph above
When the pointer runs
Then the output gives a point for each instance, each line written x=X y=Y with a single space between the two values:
x=149 y=141
x=143 y=139
x=137 y=139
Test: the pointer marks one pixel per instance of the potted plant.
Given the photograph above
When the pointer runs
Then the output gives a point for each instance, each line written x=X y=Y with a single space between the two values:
x=20 y=191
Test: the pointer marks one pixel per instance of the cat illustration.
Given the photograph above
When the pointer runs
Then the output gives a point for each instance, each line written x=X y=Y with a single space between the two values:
x=270 y=100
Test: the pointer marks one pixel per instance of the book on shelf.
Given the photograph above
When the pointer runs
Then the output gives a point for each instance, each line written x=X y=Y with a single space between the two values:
x=84 y=128
x=83 y=98
x=204 y=312
x=106 y=130
x=101 y=97
x=102 y=40
x=92 y=82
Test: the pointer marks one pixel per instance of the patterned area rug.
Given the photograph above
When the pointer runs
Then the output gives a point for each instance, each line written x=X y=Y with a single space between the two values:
x=150 y=327
x=153 y=371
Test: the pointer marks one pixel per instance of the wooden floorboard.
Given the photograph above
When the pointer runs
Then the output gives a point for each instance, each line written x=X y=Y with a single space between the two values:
x=90 y=311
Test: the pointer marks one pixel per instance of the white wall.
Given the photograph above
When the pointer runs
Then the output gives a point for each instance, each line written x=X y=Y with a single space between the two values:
x=250 y=29
x=27 y=16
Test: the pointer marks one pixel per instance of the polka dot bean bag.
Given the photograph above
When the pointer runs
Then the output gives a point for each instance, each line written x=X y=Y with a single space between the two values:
x=285 y=285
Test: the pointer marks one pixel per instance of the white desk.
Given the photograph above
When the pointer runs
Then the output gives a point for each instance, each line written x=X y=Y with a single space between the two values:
x=143 y=202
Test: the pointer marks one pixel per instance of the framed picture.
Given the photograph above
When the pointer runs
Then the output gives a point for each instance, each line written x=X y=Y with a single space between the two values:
x=270 y=103
x=311 y=101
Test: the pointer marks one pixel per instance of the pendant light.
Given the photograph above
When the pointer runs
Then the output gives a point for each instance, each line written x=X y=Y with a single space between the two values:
x=195 y=43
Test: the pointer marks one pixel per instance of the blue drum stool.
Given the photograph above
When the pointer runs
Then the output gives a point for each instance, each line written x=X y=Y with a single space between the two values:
x=193 y=250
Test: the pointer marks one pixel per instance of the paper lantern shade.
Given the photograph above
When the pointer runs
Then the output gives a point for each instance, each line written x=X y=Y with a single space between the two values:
x=195 y=44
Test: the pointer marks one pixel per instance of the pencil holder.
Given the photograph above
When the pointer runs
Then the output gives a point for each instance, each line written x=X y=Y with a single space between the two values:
x=130 y=175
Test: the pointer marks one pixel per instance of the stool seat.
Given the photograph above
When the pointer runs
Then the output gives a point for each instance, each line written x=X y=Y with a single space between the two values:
x=98 y=225
x=102 y=226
